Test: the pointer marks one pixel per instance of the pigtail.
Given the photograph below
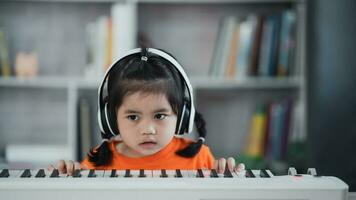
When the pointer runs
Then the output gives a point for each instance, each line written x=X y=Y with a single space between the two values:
x=194 y=148
x=101 y=155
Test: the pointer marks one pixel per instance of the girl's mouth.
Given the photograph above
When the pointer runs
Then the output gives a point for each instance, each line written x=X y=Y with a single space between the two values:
x=148 y=144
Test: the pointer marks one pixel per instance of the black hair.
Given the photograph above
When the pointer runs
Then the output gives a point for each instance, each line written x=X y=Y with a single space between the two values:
x=152 y=75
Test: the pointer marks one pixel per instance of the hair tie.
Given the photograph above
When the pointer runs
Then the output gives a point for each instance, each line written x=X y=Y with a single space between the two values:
x=202 y=139
x=144 y=58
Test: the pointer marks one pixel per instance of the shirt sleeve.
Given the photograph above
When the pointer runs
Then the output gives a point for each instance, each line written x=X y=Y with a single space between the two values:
x=85 y=164
x=208 y=157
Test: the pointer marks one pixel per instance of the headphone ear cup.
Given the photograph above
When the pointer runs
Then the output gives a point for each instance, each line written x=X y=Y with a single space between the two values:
x=103 y=121
x=183 y=122
x=111 y=122
x=105 y=118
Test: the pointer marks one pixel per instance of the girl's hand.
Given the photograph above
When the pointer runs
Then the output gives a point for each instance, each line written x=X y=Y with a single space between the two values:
x=222 y=163
x=65 y=166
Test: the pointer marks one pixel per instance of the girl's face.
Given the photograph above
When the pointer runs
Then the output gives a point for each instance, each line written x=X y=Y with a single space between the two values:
x=146 y=123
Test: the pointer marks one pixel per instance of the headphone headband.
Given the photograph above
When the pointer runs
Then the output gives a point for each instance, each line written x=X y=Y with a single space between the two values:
x=168 y=58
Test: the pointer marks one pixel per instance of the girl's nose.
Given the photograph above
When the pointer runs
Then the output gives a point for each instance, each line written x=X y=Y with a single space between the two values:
x=149 y=129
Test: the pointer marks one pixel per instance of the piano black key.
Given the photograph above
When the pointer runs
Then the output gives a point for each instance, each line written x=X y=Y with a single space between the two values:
x=76 y=173
x=214 y=173
x=54 y=174
x=178 y=174
x=4 y=173
x=249 y=174
x=142 y=173
x=92 y=173
x=264 y=174
x=26 y=174
x=40 y=174
x=127 y=173
x=113 y=173
x=163 y=173
x=227 y=173
x=200 y=173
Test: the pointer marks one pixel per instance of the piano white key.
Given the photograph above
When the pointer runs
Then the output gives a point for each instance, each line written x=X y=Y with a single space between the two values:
x=190 y=173
x=222 y=175
x=107 y=173
x=206 y=173
x=35 y=171
x=84 y=173
x=256 y=173
x=187 y=174
x=15 y=173
x=240 y=174
x=49 y=173
x=136 y=173
x=63 y=175
x=99 y=173
x=158 y=173
x=120 y=173
x=171 y=173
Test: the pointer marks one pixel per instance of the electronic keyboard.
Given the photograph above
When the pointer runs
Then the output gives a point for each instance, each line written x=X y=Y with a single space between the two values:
x=169 y=184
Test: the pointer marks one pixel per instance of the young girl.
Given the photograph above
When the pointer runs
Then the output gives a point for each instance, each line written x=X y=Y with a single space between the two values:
x=145 y=105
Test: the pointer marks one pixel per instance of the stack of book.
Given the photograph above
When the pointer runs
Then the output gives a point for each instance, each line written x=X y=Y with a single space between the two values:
x=270 y=130
x=109 y=37
x=255 y=46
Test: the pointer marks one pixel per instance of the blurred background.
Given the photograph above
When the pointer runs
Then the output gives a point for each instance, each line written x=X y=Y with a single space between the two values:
x=273 y=78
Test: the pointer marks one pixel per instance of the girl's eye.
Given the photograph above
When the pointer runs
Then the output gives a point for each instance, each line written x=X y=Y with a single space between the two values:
x=132 y=117
x=160 y=116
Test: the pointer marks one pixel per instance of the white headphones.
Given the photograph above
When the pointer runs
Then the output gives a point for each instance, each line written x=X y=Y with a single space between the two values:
x=186 y=120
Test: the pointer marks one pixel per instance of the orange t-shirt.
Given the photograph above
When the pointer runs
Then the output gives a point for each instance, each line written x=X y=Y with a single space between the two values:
x=164 y=159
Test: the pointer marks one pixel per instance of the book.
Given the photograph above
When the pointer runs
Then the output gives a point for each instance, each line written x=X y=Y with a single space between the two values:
x=286 y=127
x=230 y=23
x=230 y=71
x=109 y=37
x=269 y=46
x=276 y=25
x=247 y=36
x=217 y=49
x=98 y=47
x=124 y=27
x=287 y=43
x=255 y=144
x=267 y=129
x=278 y=129
x=222 y=47
x=256 y=44
x=274 y=144
x=5 y=70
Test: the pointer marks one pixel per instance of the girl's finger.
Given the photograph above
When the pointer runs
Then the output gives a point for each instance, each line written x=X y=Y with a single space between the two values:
x=50 y=167
x=221 y=165
x=76 y=165
x=70 y=167
x=62 y=167
x=240 y=167
x=231 y=163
